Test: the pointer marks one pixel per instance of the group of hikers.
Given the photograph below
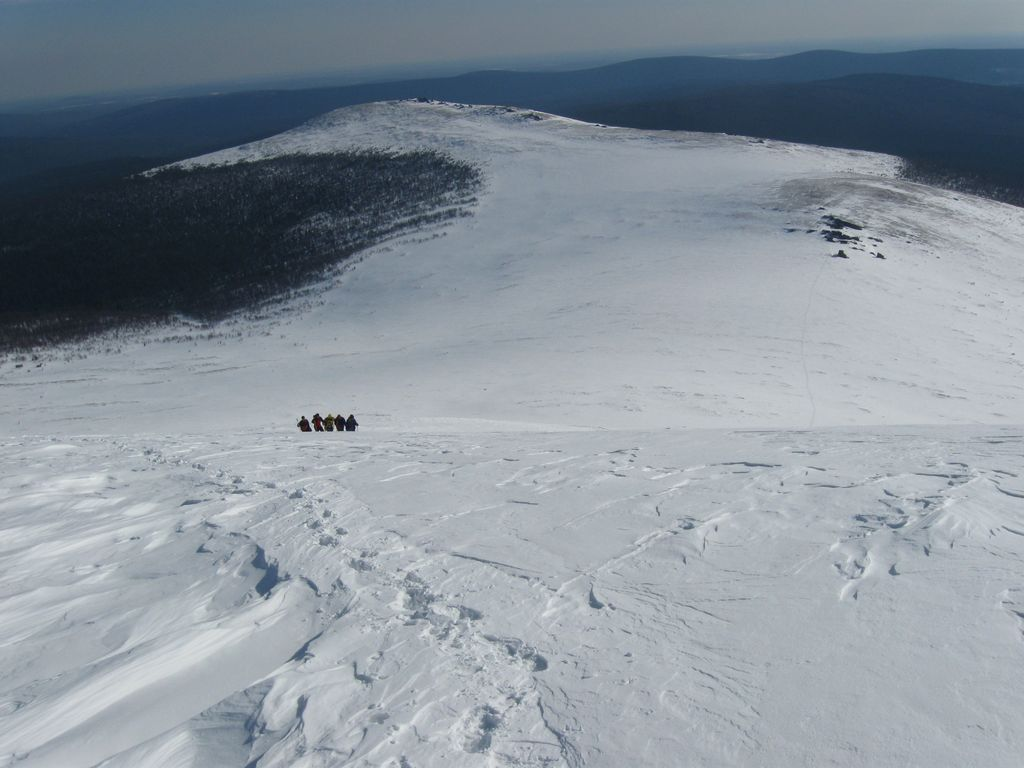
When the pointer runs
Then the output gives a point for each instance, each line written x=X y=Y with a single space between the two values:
x=331 y=424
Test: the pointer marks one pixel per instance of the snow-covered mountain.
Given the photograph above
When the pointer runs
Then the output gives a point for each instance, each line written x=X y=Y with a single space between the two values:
x=609 y=279
x=646 y=475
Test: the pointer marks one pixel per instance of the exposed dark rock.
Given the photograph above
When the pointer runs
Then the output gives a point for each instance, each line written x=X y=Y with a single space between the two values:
x=837 y=236
x=836 y=223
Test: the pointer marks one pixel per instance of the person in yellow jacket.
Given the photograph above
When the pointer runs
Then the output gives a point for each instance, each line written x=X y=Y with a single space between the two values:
x=329 y=423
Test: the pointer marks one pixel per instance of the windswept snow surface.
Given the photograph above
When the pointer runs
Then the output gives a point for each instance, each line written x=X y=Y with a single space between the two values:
x=615 y=598
x=631 y=488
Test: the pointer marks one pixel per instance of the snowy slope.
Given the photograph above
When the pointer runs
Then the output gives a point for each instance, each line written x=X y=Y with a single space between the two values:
x=661 y=599
x=630 y=487
x=609 y=278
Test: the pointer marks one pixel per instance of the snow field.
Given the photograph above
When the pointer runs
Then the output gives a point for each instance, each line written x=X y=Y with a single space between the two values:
x=608 y=279
x=701 y=598
x=624 y=493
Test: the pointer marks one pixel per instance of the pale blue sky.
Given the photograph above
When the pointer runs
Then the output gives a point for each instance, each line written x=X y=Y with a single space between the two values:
x=58 y=47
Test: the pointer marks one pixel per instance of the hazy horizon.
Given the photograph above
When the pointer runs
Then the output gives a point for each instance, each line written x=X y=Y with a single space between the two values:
x=54 y=49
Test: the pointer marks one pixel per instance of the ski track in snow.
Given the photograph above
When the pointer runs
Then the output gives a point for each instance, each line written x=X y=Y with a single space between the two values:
x=552 y=599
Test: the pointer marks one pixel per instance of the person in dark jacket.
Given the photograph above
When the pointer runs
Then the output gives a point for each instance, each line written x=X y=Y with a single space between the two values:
x=351 y=423
x=304 y=425
x=318 y=422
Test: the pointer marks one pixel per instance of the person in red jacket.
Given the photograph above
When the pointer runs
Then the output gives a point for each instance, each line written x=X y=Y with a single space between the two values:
x=318 y=423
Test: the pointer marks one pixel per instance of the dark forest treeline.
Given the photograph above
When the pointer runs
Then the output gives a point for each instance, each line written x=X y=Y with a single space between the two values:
x=954 y=134
x=1005 y=186
x=210 y=240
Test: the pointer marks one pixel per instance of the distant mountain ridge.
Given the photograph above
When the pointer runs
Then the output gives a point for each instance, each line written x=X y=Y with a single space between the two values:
x=46 y=149
x=636 y=80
